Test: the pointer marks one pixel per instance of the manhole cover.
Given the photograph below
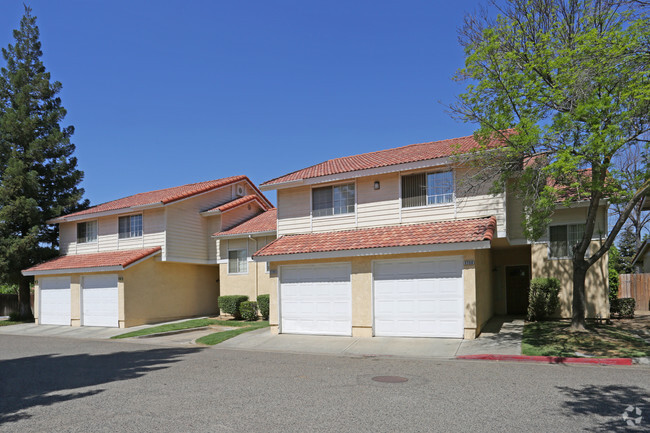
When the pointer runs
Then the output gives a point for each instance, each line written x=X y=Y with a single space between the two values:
x=390 y=379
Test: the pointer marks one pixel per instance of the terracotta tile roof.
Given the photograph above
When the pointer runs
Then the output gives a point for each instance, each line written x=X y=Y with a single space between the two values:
x=384 y=158
x=446 y=232
x=238 y=202
x=95 y=260
x=163 y=196
x=264 y=222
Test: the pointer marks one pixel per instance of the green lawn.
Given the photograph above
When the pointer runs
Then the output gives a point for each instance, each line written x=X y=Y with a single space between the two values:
x=188 y=324
x=9 y=322
x=553 y=338
x=218 y=337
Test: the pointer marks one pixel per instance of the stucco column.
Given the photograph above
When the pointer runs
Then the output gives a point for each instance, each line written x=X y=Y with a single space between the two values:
x=361 y=282
x=75 y=294
x=469 y=281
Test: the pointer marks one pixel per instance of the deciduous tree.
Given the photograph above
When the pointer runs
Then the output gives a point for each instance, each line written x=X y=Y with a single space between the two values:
x=565 y=84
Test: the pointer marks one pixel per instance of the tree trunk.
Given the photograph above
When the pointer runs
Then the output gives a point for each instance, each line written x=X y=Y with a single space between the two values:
x=24 y=300
x=579 y=300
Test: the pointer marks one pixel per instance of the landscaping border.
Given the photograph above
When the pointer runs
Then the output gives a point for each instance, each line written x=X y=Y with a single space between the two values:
x=550 y=359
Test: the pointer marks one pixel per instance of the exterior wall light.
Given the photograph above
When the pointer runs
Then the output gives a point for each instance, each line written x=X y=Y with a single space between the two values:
x=377 y=184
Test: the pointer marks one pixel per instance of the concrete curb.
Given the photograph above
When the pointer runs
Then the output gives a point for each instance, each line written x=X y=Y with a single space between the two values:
x=552 y=359
x=162 y=334
x=641 y=361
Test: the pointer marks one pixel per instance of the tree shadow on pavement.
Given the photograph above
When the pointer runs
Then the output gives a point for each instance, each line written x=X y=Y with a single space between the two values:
x=610 y=402
x=43 y=380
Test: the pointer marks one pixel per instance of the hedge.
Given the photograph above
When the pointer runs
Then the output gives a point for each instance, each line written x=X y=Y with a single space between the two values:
x=622 y=307
x=543 y=298
x=230 y=304
x=248 y=310
x=263 y=304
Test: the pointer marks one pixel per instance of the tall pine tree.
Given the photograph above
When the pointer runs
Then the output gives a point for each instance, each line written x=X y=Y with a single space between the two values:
x=38 y=175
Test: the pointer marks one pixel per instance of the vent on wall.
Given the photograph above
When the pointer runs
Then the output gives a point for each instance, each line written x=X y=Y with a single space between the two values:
x=240 y=191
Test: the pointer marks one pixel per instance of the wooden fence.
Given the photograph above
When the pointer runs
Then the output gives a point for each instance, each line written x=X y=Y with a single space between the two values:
x=635 y=286
x=9 y=304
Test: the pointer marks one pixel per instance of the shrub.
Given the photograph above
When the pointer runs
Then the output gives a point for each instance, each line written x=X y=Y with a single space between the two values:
x=543 y=298
x=623 y=307
x=248 y=310
x=8 y=289
x=230 y=304
x=613 y=284
x=263 y=304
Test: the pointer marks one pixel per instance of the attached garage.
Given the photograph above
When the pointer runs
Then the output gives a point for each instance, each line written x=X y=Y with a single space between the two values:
x=55 y=301
x=419 y=297
x=99 y=300
x=316 y=299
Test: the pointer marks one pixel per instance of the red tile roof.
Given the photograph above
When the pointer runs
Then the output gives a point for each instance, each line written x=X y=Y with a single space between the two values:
x=163 y=196
x=237 y=202
x=95 y=260
x=264 y=222
x=446 y=232
x=384 y=158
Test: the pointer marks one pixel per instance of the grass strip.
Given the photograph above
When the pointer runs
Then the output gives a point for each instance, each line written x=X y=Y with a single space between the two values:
x=219 y=337
x=178 y=326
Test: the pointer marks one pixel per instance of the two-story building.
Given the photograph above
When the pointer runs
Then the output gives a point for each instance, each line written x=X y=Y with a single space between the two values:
x=152 y=256
x=391 y=243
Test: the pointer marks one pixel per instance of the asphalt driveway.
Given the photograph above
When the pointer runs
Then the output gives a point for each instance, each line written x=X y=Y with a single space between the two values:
x=65 y=385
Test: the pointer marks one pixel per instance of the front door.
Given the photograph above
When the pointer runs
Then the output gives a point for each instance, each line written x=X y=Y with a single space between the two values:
x=517 y=287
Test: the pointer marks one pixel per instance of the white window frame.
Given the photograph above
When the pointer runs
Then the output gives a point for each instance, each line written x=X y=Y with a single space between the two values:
x=128 y=235
x=245 y=272
x=569 y=252
x=452 y=202
x=86 y=241
x=333 y=215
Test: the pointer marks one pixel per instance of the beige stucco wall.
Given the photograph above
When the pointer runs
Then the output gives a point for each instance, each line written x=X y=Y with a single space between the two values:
x=361 y=283
x=256 y=282
x=156 y=291
x=596 y=282
x=484 y=288
x=646 y=263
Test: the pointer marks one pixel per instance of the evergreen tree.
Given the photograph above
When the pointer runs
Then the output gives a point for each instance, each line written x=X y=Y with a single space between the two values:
x=38 y=175
x=627 y=248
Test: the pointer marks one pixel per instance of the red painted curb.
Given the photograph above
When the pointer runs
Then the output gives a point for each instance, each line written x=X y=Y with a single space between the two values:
x=551 y=359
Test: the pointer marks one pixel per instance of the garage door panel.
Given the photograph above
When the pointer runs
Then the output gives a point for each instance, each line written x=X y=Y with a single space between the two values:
x=316 y=299
x=55 y=301
x=99 y=300
x=419 y=298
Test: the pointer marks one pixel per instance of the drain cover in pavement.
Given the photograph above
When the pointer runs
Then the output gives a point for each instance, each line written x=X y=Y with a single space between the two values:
x=390 y=379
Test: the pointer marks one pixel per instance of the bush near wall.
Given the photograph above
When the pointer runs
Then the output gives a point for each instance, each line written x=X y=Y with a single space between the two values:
x=248 y=310
x=622 y=307
x=263 y=304
x=543 y=298
x=230 y=304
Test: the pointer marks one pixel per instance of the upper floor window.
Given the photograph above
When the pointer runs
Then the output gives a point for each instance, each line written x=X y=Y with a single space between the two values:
x=130 y=226
x=87 y=232
x=237 y=262
x=423 y=189
x=564 y=239
x=333 y=200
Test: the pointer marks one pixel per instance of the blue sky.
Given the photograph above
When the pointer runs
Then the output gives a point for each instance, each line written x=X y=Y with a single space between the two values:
x=172 y=92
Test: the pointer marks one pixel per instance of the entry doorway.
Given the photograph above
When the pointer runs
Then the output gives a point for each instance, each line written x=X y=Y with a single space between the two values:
x=517 y=287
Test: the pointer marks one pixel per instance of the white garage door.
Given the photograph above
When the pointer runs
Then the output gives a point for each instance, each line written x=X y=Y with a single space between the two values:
x=316 y=299
x=55 y=300
x=419 y=298
x=99 y=301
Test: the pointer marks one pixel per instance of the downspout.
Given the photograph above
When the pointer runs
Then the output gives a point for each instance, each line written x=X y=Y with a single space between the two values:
x=255 y=264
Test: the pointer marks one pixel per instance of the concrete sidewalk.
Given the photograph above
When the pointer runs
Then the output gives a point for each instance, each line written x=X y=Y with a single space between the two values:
x=80 y=332
x=502 y=336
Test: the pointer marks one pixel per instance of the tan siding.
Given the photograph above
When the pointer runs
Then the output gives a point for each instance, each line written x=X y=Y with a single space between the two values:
x=240 y=214
x=107 y=234
x=187 y=231
x=334 y=222
x=67 y=238
x=293 y=211
x=153 y=228
x=578 y=216
x=380 y=207
x=482 y=206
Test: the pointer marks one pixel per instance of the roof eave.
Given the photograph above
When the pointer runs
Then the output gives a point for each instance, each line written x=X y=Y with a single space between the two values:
x=93 y=215
x=427 y=248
